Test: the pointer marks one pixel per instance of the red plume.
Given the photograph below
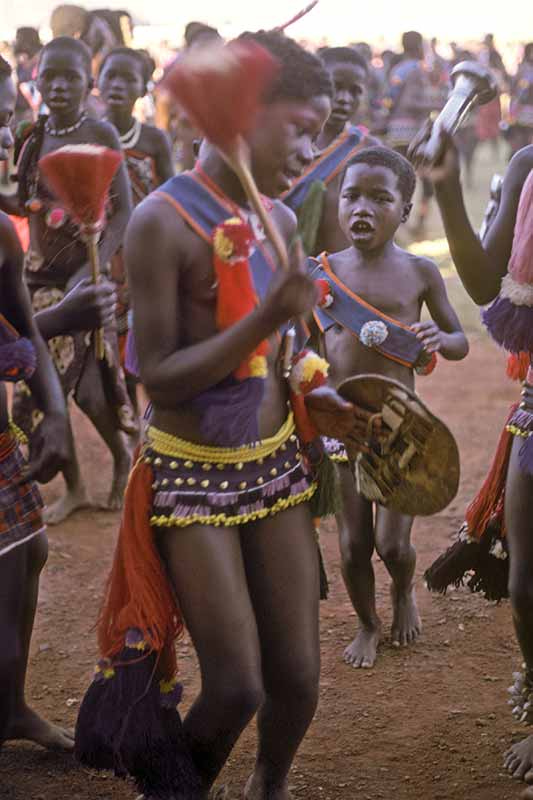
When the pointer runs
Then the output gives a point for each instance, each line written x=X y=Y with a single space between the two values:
x=80 y=176
x=221 y=87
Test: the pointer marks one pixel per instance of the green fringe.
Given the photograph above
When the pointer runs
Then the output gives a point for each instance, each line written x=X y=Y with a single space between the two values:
x=310 y=216
x=326 y=501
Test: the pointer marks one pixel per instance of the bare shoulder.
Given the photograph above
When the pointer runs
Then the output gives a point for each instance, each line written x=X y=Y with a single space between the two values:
x=519 y=168
x=158 y=138
x=156 y=233
x=102 y=132
x=285 y=218
x=423 y=267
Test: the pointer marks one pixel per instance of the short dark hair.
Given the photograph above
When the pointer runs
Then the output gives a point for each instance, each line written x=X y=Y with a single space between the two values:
x=412 y=40
x=143 y=59
x=343 y=55
x=6 y=70
x=385 y=157
x=74 y=45
x=195 y=30
x=301 y=76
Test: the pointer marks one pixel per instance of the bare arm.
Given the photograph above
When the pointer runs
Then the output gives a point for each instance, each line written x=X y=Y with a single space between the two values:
x=163 y=161
x=480 y=266
x=446 y=336
x=44 y=384
x=157 y=247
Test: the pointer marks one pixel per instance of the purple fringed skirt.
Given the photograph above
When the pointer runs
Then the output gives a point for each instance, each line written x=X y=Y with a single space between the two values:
x=225 y=487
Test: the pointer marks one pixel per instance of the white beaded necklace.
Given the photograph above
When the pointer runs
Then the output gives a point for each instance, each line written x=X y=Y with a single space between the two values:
x=65 y=131
x=129 y=139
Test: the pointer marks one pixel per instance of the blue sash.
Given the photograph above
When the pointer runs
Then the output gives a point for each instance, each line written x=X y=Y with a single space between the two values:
x=352 y=312
x=204 y=210
x=327 y=166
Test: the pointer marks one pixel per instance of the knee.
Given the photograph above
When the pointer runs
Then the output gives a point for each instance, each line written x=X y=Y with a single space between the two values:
x=394 y=551
x=354 y=552
x=238 y=699
x=296 y=683
x=521 y=594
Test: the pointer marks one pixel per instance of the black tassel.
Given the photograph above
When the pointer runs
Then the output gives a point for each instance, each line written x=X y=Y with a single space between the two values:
x=450 y=568
x=126 y=724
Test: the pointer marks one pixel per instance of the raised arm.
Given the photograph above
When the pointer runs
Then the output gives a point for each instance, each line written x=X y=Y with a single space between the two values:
x=480 y=266
x=157 y=250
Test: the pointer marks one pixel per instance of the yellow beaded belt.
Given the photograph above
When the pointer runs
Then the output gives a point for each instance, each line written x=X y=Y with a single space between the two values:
x=168 y=445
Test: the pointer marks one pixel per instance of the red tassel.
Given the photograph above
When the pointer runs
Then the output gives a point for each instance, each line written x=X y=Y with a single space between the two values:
x=222 y=88
x=236 y=295
x=80 y=176
x=488 y=503
x=138 y=593
x=518 y=365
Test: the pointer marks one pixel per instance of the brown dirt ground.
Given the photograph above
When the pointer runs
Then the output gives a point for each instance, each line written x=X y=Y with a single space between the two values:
x=428 y=722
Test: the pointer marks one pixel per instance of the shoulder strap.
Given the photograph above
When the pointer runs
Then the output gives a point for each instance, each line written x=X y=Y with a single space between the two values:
x=352 y=312
x=327 y=165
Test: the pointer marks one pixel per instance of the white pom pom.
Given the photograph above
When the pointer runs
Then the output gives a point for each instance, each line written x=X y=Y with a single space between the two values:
x=373 y=333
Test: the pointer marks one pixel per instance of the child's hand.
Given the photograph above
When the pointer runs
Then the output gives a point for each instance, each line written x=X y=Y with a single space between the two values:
x=429 y=334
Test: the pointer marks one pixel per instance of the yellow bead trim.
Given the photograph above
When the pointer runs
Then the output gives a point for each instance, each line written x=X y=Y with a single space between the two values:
x=273 y=472
x=207 y=467
x=338 y=459
x=222 y=520
x=168 y=445
x=17 y=432
x=204 y=484
x=224 y=485
x=179 y=481
x=518 y=432
x=260 y=481
x=173 y=465
x=191 y=481
x=243 y=485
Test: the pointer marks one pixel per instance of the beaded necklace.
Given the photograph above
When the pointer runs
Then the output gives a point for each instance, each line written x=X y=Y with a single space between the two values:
x=65 y=131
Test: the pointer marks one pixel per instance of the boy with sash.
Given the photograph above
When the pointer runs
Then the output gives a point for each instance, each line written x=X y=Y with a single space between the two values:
x=314 y=196
x=372 y=325
x=217 y=533
x=23 y=545
x=57 y=262
x=499 y=520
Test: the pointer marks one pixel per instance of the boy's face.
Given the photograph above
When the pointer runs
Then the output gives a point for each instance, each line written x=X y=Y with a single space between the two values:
x=371 y=206
x=8 y=96
x=348 y=82
x=63 y=81
x=281 y=144
x=121 y=82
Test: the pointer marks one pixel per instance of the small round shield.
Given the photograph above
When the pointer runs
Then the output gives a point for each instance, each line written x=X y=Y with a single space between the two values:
x=413 y=465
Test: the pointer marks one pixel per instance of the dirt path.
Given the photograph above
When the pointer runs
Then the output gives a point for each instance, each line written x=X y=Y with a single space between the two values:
x=429 y=722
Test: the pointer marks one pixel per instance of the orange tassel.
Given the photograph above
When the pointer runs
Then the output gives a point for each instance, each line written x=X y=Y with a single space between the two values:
x=138 y=592
x=518 y=365
x=488 y=502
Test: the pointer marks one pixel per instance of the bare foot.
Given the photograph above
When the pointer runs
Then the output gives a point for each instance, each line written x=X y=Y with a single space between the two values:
x=406 y=623
x=28 y=725
x=362 y=652
x=70 y=502
x=527 y=794
x=255 y=790
x=519 y=761
x=121 y=471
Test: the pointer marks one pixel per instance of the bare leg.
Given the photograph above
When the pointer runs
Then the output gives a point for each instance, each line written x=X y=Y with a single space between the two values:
x=91 y=399
x=75 y=496
x=207 y=571
x=519 y=522
x=393 y=543
x=356 y=542
x=19 y=578
x=282 y=570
